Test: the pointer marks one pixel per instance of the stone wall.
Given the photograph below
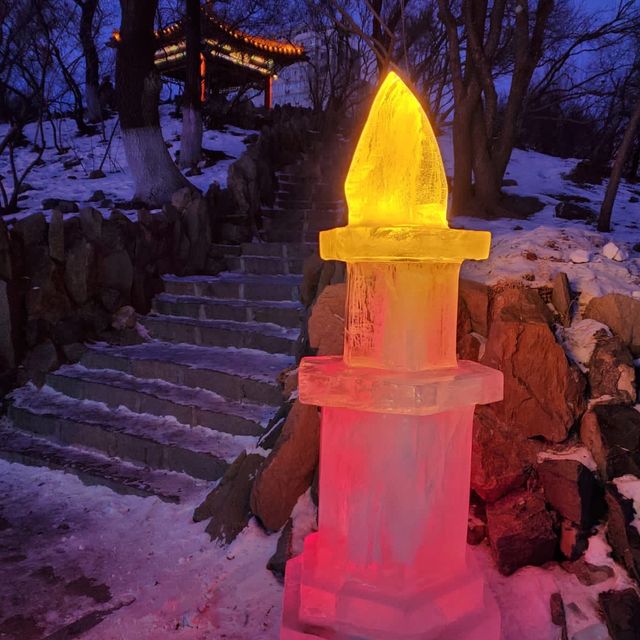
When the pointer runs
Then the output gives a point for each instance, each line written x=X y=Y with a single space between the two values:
x=62 y=280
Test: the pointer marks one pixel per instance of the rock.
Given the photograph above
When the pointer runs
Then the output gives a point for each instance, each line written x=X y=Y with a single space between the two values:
x=50 y=203
x=588 y=574
x=579 y=256
x=621 y=314
x=509 y=182
x=97 y=196
x=65 y=206
x=115 y=271
x=520 y=531
x=288 y=471
x=573 y=211
x=124 y=318
x=326 y=324
x=476 y=528
x=543 y=393
x=561 y=297
x=558 y=616
x=77 y=273
x=182 y=197
x=500 y=462
x=475 y=296
x=580 y=339
x=470 y=346
x=7 y=353
x=91 y=223
x=611 y=371
x=111 y=299
x=622 y=534
x=228 y=504
x=574 y=540
x=96 y=174
x=519 y=304
x=621 y=611
x=311 y=270
x=32 y=229
x=612 y=435
x=283 y=553
x=56 y=236
x=74 y=351
x=40 y=360
x=570 y=488
x=614 y=252
x=71 y=163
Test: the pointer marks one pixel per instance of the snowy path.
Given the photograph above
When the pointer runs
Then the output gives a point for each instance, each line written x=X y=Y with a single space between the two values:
x=79 y=561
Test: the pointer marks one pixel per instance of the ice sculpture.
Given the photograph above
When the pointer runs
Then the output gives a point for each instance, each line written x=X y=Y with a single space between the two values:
x=389 y=559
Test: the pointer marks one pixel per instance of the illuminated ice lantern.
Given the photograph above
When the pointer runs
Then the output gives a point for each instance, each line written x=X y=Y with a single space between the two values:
x=389 y=560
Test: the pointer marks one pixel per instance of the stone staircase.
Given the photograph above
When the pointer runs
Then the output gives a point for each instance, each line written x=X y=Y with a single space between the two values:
x=167 y=416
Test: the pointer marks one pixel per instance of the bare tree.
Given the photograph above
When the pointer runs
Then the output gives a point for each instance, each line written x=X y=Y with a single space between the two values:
x=91 y=61
x=138 y=88
x=191 y=139
x=604 y=220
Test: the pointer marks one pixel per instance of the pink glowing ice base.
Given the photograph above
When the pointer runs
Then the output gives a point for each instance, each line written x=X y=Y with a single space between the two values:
x=389 y=560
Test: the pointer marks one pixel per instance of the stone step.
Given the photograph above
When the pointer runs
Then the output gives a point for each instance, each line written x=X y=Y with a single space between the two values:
x=237 y=374
x=94 y=468
x=188 y=405
x=284 y=313
x=223 y=333
x=236 y=285
x=266 y=265
x=280 y=249
x=220 y=249
x=159 y=443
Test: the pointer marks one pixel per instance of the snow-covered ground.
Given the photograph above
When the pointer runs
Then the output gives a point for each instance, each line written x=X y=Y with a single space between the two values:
x=140 y=568
x=53 y=180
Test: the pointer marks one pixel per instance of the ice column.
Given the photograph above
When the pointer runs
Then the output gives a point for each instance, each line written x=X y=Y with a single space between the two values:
x=389 y=559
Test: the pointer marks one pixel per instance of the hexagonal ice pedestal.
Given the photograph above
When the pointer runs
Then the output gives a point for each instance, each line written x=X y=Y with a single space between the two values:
x=389 y=560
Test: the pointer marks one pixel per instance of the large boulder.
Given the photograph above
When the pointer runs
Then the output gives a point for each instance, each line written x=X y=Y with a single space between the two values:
x=91 y=223
x=612 y=434
x=621 y=611
x=475 y=297
x=6 y=269
x=611 y=371
x=570 y=488
x=621 y=314
x=7 y=352
x=115 y=271
x=520 y=531
x=622 y=533
x=326 y=324
x=288 y=470
x=500 y=462
x=78 y=271
x=543 y=392
x=56 y=236
x=228 y=504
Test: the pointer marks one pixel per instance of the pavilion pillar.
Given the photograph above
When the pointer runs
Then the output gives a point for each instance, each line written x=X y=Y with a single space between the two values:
x=268 y=92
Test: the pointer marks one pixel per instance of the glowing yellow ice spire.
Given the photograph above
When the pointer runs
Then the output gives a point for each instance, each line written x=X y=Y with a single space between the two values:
x=396 y=191
x=396 y=174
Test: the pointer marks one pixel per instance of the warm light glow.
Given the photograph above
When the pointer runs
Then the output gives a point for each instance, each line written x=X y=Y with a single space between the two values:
x=396 y=175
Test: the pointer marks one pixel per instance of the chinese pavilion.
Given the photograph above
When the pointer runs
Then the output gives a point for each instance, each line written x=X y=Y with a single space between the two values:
x=230 y=58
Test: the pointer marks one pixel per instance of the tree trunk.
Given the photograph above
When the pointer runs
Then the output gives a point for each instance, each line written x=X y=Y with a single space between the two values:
x=91 y=62
x=487 y=181
x=604 y=221
x=191 y=138
x=155 y=174
x=462 y=162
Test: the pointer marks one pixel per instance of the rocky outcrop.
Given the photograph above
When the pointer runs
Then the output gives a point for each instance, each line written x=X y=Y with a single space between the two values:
x=611 y=371
x=543 y=392
x=621 y=314
x=288 y=470
x=326 y=324
x=520 y=531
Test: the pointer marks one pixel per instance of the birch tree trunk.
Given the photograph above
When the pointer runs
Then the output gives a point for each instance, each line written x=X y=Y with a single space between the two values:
x=91 y=62
x=191 y=138
x=138 y=85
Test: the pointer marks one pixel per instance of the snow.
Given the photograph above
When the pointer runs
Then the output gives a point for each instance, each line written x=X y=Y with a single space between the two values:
x=165 y=579
x=52 y=180
x=629 y=486
x=579 y=340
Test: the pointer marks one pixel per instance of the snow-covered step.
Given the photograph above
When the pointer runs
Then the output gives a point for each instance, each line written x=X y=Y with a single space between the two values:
x=236 y=285
x=262 y=336
x=286 y=313
x=188 y=405
x=159 y=443
x=237 y=374
x=280 y=249
x=267 y=265
x=95 y=468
